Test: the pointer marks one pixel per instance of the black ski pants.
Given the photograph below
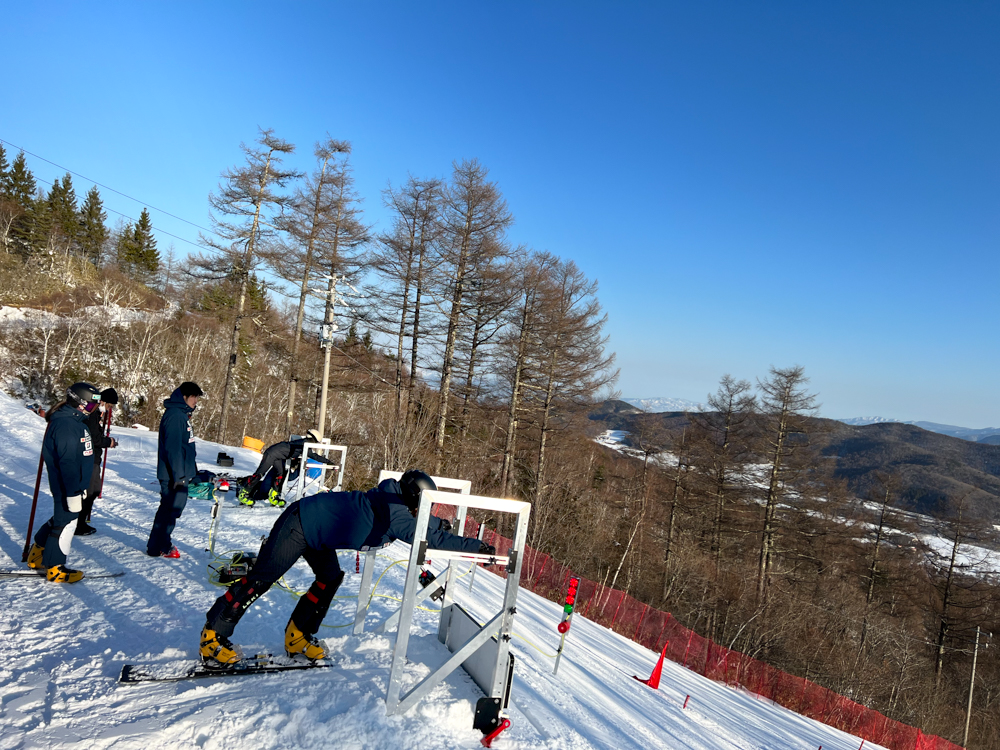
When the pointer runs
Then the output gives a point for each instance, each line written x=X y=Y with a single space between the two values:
x=282 y=548
x=91 y=495
x=272 y=467
x=56 y=534
x=172 y=503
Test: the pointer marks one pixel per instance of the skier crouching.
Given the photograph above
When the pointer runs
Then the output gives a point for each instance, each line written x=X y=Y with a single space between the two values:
x=269 y=474
x=315 y=528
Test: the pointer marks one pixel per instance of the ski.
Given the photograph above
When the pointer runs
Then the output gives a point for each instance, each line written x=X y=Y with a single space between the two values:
x=138 y=673
x=17 y=573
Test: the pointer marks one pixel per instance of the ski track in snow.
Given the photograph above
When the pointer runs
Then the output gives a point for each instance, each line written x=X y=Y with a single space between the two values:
x=62 y=647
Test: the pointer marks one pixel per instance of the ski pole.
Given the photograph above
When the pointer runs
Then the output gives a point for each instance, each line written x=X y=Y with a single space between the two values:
x=216 y=509
x=105 y=464
x=34 y=501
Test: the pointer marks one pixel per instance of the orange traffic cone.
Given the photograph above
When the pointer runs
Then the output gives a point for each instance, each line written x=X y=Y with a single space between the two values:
x=654 y=679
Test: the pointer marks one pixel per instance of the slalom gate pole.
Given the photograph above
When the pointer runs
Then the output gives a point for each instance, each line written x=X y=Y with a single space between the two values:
x=563 y=627
x=107 y=433
x=34 y=501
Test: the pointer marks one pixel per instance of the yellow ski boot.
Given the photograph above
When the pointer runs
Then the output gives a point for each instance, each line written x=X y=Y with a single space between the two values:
x=297 y=642
x=217 y=651
x=274 y=497
x=35 y=556
x=62 y=574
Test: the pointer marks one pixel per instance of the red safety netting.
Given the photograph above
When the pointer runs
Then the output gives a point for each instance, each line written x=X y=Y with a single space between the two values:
x=653 y=629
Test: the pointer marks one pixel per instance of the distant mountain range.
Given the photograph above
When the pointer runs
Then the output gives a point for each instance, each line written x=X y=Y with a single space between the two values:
x=988 y=435
x=935 y=468
x=657 y=405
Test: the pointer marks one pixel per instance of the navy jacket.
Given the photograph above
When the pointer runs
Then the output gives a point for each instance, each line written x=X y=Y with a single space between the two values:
x=68 y=452
x=175 y=458
x=96 y=428
x=357 y=520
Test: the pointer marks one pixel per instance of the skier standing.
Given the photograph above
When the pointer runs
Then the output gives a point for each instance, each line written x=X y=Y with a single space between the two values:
x=315 y=528
x=175 y=467
x=67 y=450
x=95 y=425
x=271 y=470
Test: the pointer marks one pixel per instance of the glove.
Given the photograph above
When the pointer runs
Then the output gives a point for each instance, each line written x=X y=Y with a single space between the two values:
x=445 y=525
x=181 y=484
x=487 y=549
x=114 y=443
x=75 y=503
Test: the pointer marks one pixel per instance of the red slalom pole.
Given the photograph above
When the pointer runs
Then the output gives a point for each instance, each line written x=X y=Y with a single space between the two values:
x=34 y=499
x=104 y=465
x=34 y=504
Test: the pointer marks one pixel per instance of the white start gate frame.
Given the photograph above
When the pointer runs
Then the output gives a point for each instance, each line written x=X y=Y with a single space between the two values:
x=490 y=643
x=304 y=485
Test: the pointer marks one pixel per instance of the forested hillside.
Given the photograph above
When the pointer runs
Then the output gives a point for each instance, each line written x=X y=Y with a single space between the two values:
x=444 y=346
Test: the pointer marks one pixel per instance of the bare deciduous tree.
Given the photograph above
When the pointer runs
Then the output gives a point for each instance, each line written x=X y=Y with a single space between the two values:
x=244 y=211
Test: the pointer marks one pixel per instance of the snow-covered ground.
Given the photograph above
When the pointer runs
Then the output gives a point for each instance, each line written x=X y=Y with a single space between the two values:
x=659 y=404
x=62 y=647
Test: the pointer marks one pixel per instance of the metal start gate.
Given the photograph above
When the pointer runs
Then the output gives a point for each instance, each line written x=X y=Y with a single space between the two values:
x=482 y=651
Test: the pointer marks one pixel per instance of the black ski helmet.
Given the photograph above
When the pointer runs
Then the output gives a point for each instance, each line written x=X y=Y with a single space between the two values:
x=83 y=394
x=412 y=483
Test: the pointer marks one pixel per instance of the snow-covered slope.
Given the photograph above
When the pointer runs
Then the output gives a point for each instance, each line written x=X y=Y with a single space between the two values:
x=665 y=404
x=62 y=647
x=861 y=421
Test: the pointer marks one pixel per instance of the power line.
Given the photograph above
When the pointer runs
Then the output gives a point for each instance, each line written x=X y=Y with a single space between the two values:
x=118 y=192
x=126 y=216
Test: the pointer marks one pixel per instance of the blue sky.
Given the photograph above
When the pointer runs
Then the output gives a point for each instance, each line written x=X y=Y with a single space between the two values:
x=752 y=184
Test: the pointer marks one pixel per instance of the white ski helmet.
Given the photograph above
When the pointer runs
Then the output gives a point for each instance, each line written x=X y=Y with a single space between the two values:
x=314 y=437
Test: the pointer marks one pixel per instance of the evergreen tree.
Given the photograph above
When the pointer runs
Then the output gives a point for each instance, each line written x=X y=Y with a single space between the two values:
x=40 y=224
x=8 y=209
x=148 y=260
x=126 y=252
x=4 y=174
x=65 y=215
x=63 y=212
x=138 y=257
x=21 y=194
x=92 y=231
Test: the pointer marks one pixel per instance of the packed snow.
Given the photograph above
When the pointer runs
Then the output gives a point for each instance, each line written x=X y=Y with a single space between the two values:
x=63 y=646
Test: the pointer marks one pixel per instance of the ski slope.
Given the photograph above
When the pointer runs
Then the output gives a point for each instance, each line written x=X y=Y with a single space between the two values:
x=62 y=647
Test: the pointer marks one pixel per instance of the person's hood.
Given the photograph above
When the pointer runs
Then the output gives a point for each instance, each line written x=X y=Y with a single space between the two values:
x=66 y=412
x=176 y=401
x=390 y=485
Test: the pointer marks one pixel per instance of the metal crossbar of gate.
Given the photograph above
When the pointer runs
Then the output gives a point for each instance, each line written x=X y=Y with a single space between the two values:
x=311 y=477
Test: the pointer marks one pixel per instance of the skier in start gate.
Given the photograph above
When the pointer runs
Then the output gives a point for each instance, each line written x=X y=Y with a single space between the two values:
x=315 y=528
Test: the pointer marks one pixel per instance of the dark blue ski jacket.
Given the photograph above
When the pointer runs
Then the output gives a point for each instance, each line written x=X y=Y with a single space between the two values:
x=359 y=520
x=175 y=458
x=68 y=451
x=97 y=433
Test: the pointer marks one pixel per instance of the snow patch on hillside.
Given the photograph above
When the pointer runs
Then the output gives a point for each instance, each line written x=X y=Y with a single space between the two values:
x=659 y=404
